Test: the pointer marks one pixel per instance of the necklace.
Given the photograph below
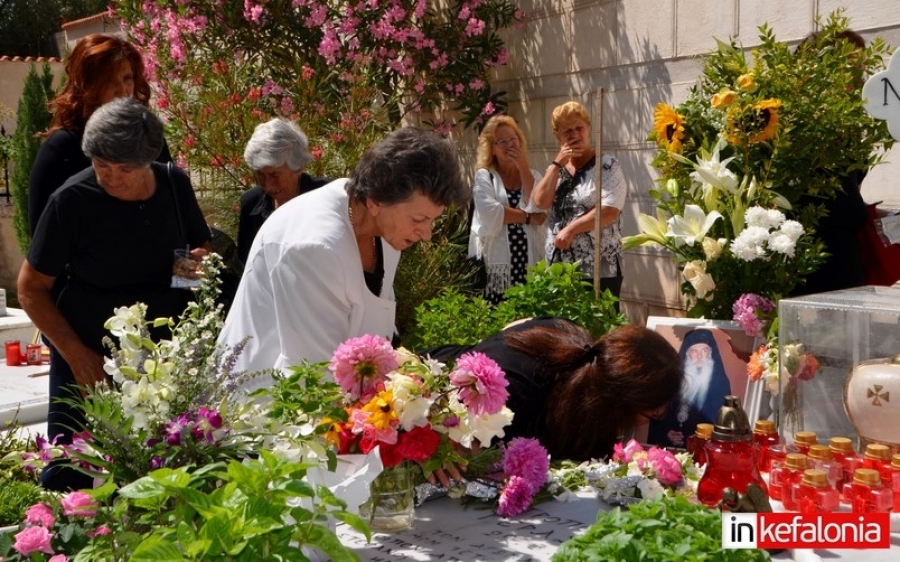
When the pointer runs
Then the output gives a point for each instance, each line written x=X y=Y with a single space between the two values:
x=353 y=225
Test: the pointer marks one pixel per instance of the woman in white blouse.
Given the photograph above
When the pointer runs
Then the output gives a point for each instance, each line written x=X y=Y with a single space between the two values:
x=507 y=229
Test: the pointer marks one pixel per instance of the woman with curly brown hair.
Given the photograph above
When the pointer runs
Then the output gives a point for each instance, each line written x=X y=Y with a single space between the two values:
x=579 y=395
x=99 y=69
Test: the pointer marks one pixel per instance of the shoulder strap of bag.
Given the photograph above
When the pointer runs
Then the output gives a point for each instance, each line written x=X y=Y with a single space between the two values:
x=174 y=187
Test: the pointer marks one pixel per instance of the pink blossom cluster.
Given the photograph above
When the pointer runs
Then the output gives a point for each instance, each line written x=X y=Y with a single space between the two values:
x=753 y=312
x=481 y=383
x=655 y=462
x=360 y=364
x=40 y=523
x=525 y=463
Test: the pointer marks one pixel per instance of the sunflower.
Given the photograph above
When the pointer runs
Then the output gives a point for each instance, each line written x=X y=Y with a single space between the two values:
x=755 y=123
x=669 y=127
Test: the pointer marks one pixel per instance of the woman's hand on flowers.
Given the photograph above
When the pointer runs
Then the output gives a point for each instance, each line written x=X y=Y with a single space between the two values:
x=445 y=474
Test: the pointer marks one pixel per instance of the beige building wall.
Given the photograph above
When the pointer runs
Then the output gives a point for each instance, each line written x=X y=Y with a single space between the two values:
x=641 y=52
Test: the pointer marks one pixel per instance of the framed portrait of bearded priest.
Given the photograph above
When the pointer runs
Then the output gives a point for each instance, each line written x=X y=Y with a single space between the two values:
x=714 y=355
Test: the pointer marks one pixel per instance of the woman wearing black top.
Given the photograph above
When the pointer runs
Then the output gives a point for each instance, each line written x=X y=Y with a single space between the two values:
x=579 y=395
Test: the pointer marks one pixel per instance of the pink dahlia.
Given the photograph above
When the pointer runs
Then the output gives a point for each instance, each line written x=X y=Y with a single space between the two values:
x=528 y=459
x=360 y=363
x=481 y=383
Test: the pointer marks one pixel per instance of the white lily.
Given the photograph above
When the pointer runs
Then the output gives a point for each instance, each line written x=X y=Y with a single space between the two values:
x=711 y=171
x=693 y=226
x=654 y=230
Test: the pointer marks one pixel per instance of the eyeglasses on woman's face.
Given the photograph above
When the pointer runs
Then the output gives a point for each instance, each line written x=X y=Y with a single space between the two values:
x=507 y=142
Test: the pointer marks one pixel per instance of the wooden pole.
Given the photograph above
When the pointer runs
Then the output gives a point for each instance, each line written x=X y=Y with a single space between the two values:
x=598 y=182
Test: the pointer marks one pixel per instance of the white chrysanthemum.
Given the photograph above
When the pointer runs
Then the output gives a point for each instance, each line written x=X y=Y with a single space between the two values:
x=782 y=243
x=774 y=218
x=792 y=229
x=755 y=216
x=750 y=244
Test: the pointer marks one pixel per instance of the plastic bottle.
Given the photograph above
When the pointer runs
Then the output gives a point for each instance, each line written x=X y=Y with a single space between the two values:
x=814 y=494
x=697 y=442
x=803 y=439
x=764 y=435
x=783 y=478
x=895 y=480
x=730 y=455
x=842 y=450
x=865 y=494
x=878 y=457
x=820 y=457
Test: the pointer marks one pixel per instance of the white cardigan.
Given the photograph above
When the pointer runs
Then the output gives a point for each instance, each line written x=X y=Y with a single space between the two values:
x=488 y=237
x=303 y=291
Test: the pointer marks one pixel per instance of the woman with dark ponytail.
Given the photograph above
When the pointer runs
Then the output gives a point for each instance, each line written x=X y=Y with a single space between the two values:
x=576 y=394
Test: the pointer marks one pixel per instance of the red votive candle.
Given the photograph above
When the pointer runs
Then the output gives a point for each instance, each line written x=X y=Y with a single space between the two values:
x=13 y=353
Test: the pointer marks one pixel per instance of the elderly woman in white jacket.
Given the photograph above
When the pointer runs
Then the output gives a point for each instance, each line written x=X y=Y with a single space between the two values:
x=507 y=229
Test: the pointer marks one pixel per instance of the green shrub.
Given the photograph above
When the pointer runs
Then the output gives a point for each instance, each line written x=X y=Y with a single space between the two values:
x=16 y=497
x=555 y=290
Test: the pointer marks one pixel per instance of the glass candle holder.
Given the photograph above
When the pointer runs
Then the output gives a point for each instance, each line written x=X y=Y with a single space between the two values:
x=814 y=493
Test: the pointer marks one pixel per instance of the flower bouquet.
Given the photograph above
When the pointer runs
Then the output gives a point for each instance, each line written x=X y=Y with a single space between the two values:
x=747 y=161
x=423 y=416
x=634 y=474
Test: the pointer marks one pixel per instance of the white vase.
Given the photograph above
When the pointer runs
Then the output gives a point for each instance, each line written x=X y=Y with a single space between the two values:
x=872 y=401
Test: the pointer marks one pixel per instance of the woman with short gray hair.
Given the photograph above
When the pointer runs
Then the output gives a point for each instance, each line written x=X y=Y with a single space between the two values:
x=322 y=268
x=278 y=153
x=111 y=232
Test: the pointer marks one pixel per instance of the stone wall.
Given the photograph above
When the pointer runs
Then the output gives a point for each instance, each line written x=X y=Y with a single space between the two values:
x=641 y=52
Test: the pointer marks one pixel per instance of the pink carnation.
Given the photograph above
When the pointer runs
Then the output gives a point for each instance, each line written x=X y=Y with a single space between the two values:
x=528 y=459
x=79 y=503
x=33 y=539
x=40 y=514
x=515 y=498
x=481 y=383
x=666 y=466
x=360 y=363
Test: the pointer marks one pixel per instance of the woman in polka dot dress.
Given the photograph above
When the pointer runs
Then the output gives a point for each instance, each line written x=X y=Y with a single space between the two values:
x=507 y=230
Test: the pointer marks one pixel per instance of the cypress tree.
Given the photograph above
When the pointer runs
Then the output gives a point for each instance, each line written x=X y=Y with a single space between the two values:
x=32 y=117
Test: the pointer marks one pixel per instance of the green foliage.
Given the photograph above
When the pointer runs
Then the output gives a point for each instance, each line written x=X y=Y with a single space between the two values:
x=250 y=510
x=555 y=290
x=16 y=497
x=656 y=530
x=32 y=117
x=28 y=27
x=428 y=268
